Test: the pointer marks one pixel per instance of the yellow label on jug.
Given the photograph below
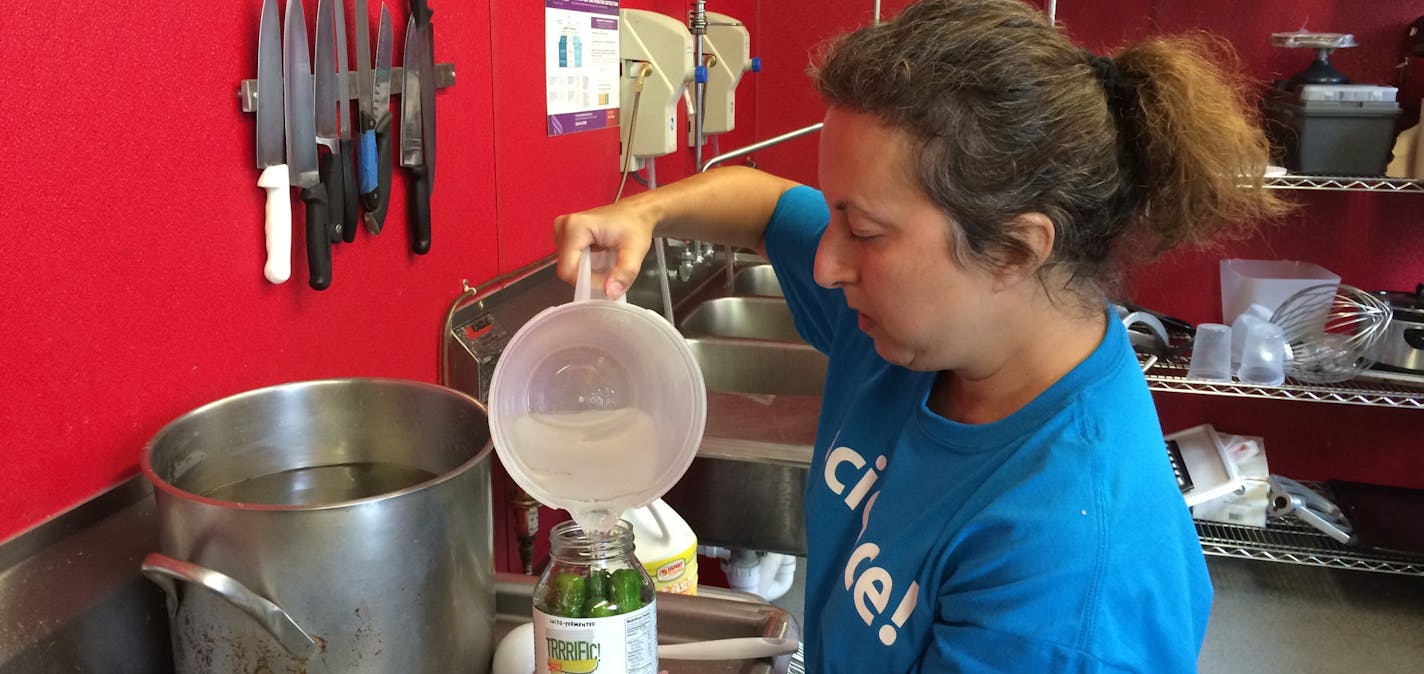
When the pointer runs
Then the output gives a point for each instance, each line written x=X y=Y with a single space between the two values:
x=677 y=575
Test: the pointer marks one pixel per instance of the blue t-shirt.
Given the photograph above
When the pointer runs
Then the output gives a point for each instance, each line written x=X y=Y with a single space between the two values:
x=1053 y=540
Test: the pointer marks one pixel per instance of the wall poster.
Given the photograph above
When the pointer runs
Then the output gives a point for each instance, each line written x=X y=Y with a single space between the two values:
x=581 y=64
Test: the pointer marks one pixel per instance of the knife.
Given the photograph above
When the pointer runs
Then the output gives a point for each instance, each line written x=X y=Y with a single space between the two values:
x=326 y=121
x=377 y=201
x=350 y=212
x=412 y=152
x=427 y=92
x=271 y=150
x=301 y=143
x=366 y=149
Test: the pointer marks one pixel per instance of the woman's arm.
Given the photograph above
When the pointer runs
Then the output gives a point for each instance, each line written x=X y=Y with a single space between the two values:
x=727 y=206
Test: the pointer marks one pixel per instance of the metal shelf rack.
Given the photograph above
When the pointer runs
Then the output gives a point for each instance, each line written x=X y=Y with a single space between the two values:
x=1285 y=540
x=1171 y=375
x=1345 y=183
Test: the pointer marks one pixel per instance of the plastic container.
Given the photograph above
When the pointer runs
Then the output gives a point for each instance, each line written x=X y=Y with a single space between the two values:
x=1349 y=133
x=596 y=406
x=1267 y=283
x=595 y=608
x=666 y=547
x=1242 y=326
x=1209 y=468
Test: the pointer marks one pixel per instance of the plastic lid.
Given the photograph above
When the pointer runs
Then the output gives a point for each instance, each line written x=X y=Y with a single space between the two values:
x=596 y=406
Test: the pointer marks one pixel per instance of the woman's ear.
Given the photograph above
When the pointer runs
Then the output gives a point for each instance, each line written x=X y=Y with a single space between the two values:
x=1035 y=234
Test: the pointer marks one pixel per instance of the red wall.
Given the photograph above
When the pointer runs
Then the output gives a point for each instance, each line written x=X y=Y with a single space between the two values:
x=131 y=276
x=130 y=279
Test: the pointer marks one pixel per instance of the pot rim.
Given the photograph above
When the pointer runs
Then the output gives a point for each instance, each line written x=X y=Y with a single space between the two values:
x=1396 y=299
x=160 y=484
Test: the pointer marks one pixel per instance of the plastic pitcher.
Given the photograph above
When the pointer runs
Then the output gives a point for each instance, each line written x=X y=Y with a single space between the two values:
x=597 y=406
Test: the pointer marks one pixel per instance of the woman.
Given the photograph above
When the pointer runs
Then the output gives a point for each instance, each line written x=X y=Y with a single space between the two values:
x=989 y=487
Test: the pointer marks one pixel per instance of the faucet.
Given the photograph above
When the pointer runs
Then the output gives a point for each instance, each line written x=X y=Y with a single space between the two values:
x=686 y=261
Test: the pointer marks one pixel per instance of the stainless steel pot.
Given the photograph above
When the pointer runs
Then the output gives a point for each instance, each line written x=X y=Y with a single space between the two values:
x=1402 y=347
x=327 y=526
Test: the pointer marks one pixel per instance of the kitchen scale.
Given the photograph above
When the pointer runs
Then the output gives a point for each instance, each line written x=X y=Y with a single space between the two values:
x=1320 y=70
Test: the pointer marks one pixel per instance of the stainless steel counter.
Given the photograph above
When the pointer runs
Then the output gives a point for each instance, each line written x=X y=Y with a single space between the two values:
x=72 y=600
x=714 y=614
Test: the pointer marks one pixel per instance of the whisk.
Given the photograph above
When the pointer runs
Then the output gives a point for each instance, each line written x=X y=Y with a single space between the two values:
x=1330 y=332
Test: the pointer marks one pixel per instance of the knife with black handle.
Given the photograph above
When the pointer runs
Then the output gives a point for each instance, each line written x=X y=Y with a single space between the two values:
x=301 y=144
x=350 y=212
x=335 y=191
x=326 y=116
x=318 y=232
x=412 y=151
x=351 y=207
x=419 y=210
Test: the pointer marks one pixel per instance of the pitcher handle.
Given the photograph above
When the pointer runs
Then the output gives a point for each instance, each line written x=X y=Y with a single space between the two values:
x=164 y=570
x=589 y=259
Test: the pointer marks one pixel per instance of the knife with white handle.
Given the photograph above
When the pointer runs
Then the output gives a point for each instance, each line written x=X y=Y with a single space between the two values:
x=271 y=147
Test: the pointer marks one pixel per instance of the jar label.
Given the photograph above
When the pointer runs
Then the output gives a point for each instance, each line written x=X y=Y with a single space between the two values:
x=621 y=644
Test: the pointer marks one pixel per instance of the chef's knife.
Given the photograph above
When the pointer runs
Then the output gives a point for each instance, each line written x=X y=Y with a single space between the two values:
x=412 y=149
x=427 y=92
x=301 y=143
x=350 y=212
x=326 y=120
x=377 y=201
x=271 y=150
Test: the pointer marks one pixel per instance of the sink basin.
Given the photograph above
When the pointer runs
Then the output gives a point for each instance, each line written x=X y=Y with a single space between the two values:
x=759 y=366
x=757 y=280
x=746 y=317
x=745 y=488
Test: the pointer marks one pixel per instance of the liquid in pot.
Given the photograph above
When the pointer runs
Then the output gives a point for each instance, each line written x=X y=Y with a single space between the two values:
x=316 y=485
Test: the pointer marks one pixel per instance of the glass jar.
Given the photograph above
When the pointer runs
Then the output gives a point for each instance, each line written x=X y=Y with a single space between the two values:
x=594 y=606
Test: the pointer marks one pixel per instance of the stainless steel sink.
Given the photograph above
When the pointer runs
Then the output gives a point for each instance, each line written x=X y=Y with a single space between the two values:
x=746 y=487
x=759 y=366
x=746 y=317
x=757 y=280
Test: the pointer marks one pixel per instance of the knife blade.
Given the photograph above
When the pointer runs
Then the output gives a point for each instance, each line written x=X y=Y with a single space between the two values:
x=271 y=147
x=427 y=93
x=327 y=119
x=377 y=201
x=412 y=141
x=301 y=142
x=366 y=148
x=350 y=212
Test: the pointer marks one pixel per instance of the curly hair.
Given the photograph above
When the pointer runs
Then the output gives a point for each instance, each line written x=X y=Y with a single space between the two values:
x=1128 y=156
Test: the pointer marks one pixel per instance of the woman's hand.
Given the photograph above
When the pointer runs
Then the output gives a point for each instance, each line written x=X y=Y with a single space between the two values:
x=624 y=228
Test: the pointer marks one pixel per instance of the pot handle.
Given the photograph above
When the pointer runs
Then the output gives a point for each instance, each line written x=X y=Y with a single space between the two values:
x=164 y=570
x=1414 y=337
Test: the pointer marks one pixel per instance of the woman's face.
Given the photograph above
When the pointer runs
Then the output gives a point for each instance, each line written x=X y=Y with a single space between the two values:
x=888 y=247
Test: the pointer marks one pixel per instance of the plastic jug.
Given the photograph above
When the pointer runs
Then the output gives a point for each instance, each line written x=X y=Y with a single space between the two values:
x=596 y=406
x=666 y=547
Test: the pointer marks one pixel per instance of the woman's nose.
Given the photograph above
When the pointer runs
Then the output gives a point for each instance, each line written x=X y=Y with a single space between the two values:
x=832 y=268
